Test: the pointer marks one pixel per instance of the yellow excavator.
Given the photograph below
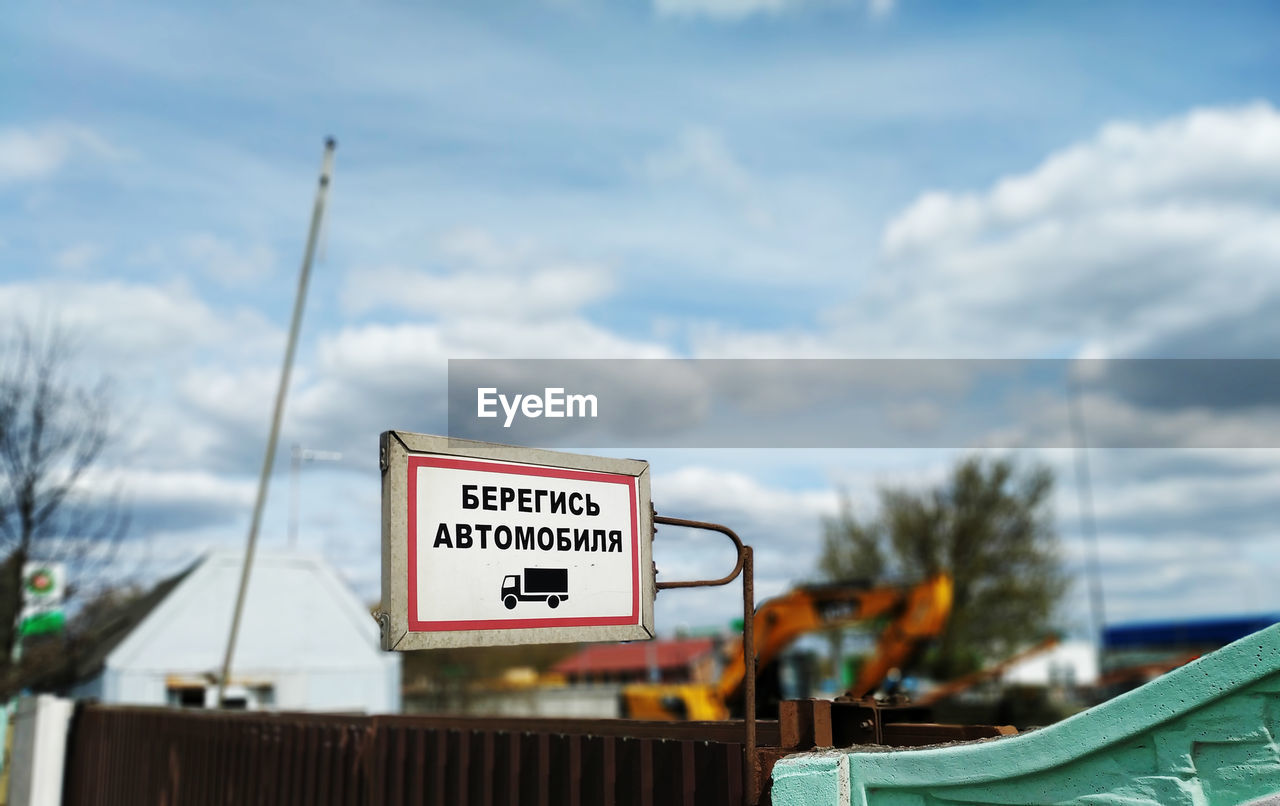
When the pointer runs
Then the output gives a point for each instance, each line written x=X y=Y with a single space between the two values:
x=916 y=613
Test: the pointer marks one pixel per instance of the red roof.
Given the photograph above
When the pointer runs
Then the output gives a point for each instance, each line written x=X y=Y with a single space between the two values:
x=634 y=657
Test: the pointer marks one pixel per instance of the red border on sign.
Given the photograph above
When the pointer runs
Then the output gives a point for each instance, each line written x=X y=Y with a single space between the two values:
x=629 y=482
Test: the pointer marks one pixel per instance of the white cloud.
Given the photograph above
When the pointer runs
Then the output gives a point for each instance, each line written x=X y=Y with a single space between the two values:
x=175 y=488
x=881 y=8
x=1130 y=238
x=37 y=153
x=552 y=290
x=491 y=300
x=227 y=263
x=180 y=370
x=77 y=257
x=119 y=321
x=478 y=249
x=381 y=348
x=1179 y=575
x=231 y=265
x=1119 y=245
x=714 y=340
x=371 y=377
x=1179 y=166
x=1042 y=417
x=702 y=156
x=781 y=525
x=732 y=10
x=720 y=9
x=700 y=153
x=707 y=488
x=1181 y=498
x=200 y=378
x=483 y=280
x=239 y=399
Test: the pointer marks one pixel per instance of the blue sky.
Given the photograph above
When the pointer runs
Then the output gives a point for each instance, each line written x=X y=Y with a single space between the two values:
x=704 y=178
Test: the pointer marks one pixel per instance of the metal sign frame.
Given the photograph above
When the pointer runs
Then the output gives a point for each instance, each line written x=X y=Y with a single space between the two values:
x=401 y=452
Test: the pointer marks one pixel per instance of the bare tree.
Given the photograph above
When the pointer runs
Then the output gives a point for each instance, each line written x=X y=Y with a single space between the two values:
x=54 y=429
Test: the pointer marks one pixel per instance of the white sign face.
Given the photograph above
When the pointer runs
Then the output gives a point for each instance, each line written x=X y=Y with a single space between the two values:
x=512 y=545
x=495 y=545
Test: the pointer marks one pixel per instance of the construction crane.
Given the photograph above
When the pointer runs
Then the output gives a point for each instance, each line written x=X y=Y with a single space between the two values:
x=917 y=613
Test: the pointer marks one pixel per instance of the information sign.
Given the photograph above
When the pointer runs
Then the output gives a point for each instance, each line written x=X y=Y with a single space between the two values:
x=486 y=544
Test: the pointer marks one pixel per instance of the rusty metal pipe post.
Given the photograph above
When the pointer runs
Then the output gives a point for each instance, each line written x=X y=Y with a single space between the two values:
x=746 y=567
x=711 y=527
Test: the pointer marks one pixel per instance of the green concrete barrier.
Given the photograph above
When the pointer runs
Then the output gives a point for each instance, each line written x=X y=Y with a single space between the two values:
x=1202 y=735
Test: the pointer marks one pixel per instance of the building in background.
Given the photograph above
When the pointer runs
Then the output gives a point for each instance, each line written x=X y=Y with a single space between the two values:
x=680 y=660
x=1071 y=664
x=1133 y=654
x=306 y=642
x=585 y=685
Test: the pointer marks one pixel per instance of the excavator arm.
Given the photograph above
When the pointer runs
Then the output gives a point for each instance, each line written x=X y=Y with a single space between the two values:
x=917 y=613
x=927 y=607
x=780 y=621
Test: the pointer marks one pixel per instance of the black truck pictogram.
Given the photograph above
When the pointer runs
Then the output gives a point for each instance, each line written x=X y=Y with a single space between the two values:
x=550 y=585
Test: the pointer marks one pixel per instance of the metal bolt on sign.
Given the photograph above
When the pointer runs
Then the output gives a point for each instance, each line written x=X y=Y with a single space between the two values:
x=745 y=567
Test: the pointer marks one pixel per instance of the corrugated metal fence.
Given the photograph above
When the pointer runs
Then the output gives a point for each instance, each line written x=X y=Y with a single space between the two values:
x=118 y=756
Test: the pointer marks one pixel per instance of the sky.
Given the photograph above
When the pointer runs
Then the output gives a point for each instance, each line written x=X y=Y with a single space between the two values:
x=668 y=179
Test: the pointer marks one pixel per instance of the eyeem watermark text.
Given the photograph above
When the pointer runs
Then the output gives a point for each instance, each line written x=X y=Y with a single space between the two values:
x=553 y=402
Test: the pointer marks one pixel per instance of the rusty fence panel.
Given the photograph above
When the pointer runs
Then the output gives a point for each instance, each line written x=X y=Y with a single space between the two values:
x=141 y=757
x=129 y=756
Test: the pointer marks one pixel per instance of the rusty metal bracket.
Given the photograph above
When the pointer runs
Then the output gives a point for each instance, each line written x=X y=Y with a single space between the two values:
x=808 y=724
x=864 y=721
x=745 y=568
